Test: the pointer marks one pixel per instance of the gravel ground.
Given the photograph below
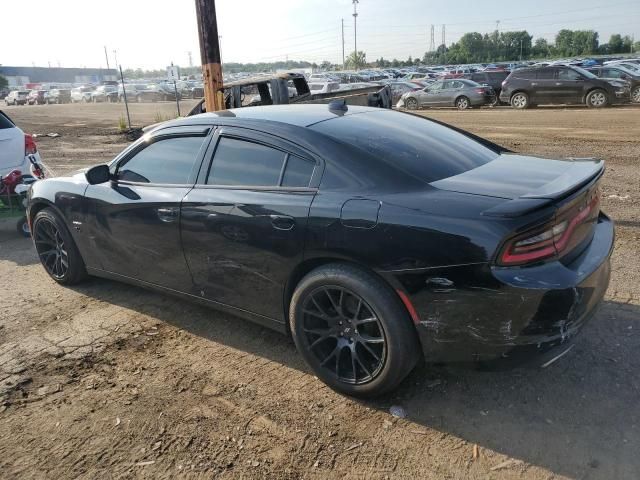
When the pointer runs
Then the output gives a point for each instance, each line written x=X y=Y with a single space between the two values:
x=105 y=380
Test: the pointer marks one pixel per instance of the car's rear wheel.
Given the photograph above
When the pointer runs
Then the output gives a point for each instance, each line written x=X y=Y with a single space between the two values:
x=520 y=100
x=352 y=330
x=462 y=103
x=635 y=95
x=23 y=227
x=412 y=104
x=56 y=249
x=597 y=99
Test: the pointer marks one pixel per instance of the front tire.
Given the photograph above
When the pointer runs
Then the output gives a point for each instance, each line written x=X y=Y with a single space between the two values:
x=412 y=104
x=56 y=249
x=520 y=100
x=352 y=330
x=635 y=95
x=597 y=99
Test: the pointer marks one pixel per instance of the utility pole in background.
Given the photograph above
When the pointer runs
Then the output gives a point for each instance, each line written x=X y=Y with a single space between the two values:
x=444 y=42
x=342 y=21
x=210 y=54
x=115 y=58
x=106 y=56
x=355 y=32
x=432 y=43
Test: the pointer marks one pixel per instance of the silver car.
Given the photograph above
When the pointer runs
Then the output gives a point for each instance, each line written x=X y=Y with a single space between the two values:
x=460 y=93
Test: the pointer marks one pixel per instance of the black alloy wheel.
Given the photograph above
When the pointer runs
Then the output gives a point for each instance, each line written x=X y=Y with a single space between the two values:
x=56 y=249
x=344 y=333
x=51 y=249
x=352 y=329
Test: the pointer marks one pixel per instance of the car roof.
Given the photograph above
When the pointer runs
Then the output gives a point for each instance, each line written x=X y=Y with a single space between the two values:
x=298 y=115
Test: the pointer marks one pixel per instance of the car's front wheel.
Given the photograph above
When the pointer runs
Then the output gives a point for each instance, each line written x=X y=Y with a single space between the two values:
x=352 y=330
x=412 y=104
x=597 y=99
x=56 y=249
x=635 y=95
x=520 y=101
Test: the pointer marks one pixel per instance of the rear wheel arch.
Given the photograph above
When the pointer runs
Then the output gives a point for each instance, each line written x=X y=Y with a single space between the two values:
x=309 y=265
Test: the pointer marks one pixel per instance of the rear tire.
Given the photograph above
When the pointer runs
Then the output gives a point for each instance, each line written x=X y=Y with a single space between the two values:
x=520 y=100
x=352 y=330
x=56 y=249
x=462 y=103
x=23 y=227
x=597 y=99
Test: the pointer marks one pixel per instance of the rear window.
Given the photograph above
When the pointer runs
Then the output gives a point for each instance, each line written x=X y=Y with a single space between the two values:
x=5 y=122
x=421 y=148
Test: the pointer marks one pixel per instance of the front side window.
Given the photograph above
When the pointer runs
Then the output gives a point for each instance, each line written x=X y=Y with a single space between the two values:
x=610 y=73
x=568 y=74
x=167 y=161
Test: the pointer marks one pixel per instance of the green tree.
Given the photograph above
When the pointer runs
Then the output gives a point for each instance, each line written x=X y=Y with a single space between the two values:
x=4 y=83
x=356 y=59
x=615 y=43
x=541 y=48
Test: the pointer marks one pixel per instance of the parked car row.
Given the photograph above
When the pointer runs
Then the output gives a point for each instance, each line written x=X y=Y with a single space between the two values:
x=135 y=92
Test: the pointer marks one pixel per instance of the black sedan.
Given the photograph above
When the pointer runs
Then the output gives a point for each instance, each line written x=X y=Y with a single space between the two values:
x=368 y=235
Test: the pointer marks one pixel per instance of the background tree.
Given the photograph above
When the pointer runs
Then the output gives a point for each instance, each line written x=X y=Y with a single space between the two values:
x=4 y=83
x=356 y=59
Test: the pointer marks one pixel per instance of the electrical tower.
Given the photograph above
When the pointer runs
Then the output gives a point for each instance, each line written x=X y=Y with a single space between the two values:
x=444 y=35
x=190 y=59
x=355 y=30
x=432 y=43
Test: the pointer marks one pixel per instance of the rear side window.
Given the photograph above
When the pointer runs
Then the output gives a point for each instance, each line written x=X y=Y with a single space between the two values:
x=239 y=162
x=297 y=172
x=167 y=161
x=5 y=122
x=421 y=148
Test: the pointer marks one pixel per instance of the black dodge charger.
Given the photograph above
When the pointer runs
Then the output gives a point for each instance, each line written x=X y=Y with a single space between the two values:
x=370 y=236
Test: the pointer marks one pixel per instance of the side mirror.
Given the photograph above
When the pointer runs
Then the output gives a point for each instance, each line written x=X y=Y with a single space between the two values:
x=98 y=174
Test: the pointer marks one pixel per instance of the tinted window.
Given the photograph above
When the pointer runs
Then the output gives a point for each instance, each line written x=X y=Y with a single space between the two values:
x=165 y=161
x=568 y=74
x=297 y=172
x=545 y=74
x=5 y=122
x=422 y=148
x=238 y=162
x=610 y=73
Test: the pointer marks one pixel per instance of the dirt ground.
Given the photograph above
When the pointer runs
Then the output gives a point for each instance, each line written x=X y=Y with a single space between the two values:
x=105 y=380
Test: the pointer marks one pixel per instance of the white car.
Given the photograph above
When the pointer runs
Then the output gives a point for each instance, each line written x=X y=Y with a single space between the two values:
x=17 y=97
x=15 y=148
x=323 y=87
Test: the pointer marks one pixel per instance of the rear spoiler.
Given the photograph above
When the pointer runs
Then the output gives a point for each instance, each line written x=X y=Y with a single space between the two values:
x=583 y=171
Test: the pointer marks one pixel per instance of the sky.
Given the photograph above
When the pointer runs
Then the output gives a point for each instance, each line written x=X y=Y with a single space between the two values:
x=151 y=34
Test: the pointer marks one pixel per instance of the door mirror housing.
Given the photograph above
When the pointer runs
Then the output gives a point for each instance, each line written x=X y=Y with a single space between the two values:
x=98 y=174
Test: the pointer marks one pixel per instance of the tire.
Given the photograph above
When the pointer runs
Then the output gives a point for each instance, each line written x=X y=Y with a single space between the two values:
x=520 y=100
x=635 y=95
x=339 y=308
x=54 y=246
x=23 y=227
x=411 y=103
x=462 y=103
x=597 y=99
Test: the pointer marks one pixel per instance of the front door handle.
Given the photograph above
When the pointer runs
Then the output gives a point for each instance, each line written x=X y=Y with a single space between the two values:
x=533 y=84
x=282 y=222
x=168 y=215
x=559 y=83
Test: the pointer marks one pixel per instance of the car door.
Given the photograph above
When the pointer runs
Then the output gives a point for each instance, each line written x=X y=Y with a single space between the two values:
x=134 y=220
x=542 y=85
x=431 y=96
x=569 y=85
x=243 y=225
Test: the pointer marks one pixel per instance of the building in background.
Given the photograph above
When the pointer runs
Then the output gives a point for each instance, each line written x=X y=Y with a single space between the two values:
x=19 y=76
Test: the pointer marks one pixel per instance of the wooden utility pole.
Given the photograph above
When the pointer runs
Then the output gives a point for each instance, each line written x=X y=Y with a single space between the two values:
x=210 y=54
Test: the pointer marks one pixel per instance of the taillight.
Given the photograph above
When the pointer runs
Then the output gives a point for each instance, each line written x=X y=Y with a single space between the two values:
x=550 y=240
x=29 y=145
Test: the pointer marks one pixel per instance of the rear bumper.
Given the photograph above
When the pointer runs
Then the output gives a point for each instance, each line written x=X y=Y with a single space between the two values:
x=478 y=313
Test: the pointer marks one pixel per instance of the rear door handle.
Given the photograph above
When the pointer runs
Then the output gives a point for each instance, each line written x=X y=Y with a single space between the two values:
x=533 y=84
x=282 y=222
x=167 y=215
x=559 y=83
